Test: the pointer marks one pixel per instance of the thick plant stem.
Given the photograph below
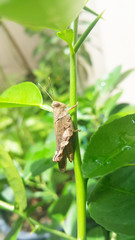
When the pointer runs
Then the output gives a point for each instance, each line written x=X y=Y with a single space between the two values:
x=80 y=182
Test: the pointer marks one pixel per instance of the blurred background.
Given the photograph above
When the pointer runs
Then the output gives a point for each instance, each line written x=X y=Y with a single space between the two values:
x=28 y=133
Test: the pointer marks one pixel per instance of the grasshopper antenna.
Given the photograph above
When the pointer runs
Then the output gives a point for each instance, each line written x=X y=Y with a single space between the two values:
x=45 y=91
x=51 y=87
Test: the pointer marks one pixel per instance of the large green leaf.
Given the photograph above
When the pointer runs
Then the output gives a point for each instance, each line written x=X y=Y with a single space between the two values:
x=111 y=147
x=55 y=14
x=112 y=202
x=23 y=94
x=13 y=178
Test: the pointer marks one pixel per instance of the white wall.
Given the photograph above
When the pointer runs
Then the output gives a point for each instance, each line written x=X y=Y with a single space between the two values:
x=117 y=39
x=16 y=49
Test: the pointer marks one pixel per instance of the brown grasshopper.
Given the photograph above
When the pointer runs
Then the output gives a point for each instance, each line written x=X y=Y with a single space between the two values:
x=64 y=130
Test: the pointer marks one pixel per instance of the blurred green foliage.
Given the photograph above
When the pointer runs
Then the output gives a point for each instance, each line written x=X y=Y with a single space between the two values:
x=28 y=136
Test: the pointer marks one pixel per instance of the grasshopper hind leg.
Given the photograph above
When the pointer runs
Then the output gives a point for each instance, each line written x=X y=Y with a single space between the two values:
x=63 y=163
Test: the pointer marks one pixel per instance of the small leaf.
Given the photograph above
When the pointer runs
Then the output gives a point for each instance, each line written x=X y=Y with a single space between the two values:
x=37 y=167
x=110 y=148
x=13 y=178
x=125 y=74
x=112 y=202
x=86 y=33
x=109 y=82
x=12 y=235
x=23 y=94
x=109 y=105
x=90 y=11
x=67 y=36
x=118 y=108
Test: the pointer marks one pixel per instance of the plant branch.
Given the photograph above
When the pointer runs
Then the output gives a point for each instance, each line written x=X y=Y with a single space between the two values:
x=86 y=33
x=6 y=206
x=9 y=207
x=80 y=182
x=52 y=231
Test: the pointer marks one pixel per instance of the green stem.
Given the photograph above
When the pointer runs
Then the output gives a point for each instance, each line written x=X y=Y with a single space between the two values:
x=80 y=182
x=86 y=33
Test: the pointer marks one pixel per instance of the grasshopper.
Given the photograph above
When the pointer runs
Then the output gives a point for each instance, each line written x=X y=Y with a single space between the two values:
x=64 y=131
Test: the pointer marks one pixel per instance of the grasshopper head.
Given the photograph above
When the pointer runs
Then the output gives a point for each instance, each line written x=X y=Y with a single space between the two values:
x=56 y=104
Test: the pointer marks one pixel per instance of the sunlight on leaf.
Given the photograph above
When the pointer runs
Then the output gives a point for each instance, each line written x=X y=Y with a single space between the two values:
x=23 y=94
x=111 y=147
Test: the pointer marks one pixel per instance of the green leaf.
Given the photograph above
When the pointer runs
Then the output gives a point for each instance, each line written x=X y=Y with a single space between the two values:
x=60 y=207
x=109 y=82
x=96 y=233
x=124 y=237
x=125 y=74
x=20 y=95
x=118 y=108
x=67 y=36
x=109 y=105
x=112 y=202
x=12 y=235
x=13 y=178
x=90 y=11
x=37 y=167
x=55 y=14
x=40 y=151
x=71 y=220
x=57 y=178
x=86 y=33
x=110 y=148
x=39 y=158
